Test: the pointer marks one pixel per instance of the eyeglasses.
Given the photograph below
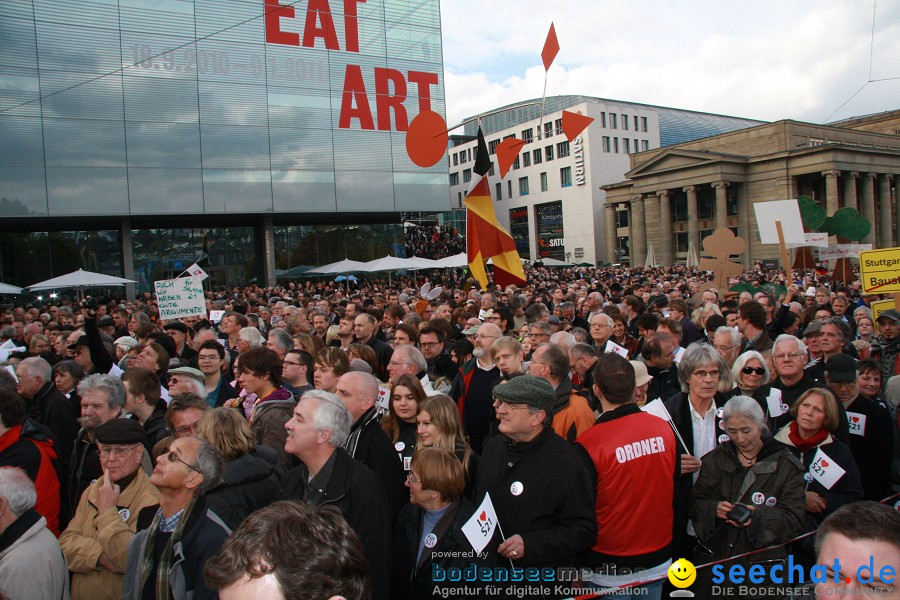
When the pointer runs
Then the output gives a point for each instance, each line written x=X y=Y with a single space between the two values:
x=498 y=402
x=538 y=334
x=428 y=344
x=172 y=457
x=186 y=429
x=116 y=451
x=787 y=356
x=486 y=337
x=757 y=370
x=290 y=362
x=411 y=479
x=394 y=363
x=706 y=374
x=725 y=348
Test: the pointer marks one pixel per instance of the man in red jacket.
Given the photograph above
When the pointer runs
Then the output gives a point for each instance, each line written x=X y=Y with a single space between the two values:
x=635 y=461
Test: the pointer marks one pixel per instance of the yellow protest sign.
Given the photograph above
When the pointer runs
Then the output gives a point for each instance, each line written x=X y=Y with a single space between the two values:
x=879 y=271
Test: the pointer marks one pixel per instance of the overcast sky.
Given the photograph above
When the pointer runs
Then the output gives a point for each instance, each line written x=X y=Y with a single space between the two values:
x=766 y=59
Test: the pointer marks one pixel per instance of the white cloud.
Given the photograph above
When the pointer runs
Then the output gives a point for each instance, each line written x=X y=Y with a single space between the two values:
x=768 y=60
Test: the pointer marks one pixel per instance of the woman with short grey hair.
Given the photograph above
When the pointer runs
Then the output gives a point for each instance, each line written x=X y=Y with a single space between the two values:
x=750 y=493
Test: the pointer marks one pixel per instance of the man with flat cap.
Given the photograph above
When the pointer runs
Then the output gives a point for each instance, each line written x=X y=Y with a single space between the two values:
x=539 y=486
x=96 y=541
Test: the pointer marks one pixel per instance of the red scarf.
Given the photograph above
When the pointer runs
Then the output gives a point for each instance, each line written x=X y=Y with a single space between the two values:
x=804 y=445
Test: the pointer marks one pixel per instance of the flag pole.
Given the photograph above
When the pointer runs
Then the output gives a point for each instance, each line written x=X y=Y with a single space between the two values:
x=503 y=537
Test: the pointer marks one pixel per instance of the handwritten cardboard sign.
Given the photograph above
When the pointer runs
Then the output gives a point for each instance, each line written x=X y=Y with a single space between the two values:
x=178 y=298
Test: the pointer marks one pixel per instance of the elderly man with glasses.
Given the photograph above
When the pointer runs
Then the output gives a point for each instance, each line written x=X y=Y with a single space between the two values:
x=539 y=484
x=166 y=558
x=96 y=541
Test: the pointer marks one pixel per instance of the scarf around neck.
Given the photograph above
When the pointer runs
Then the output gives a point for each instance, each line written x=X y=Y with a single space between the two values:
x=804 y=445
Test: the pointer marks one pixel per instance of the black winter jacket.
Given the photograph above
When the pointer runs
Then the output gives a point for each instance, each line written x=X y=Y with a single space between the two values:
x=359 y=494
x=249 y=483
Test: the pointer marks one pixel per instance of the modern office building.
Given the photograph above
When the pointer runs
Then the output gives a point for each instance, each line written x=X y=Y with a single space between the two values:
x=552 y=199
x=673 y=197
x=260 y=134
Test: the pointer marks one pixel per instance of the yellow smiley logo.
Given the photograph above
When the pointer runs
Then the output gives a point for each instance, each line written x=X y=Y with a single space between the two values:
x=682 y=573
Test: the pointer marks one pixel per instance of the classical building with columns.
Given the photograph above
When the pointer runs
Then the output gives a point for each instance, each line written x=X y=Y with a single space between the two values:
x=675 y=196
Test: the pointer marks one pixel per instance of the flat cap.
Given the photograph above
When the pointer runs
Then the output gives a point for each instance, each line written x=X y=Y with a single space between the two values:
x=527 y=389
x=120 y=431
x=188 y=372
x=891 y=314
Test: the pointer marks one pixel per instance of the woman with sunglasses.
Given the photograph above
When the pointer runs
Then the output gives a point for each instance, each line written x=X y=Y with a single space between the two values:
x=751 y=378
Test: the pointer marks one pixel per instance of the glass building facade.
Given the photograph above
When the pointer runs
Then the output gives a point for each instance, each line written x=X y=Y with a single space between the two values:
x=160 y=126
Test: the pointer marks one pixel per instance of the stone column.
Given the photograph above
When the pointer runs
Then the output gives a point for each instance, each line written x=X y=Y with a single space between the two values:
x=638 y=228
x=867 y=204
x=721 y=203
x=831 y=191
x=666 y=252
x=693 y=219
x=744 y=220
x=884 y=217
x=611 y=237
x=850 y=199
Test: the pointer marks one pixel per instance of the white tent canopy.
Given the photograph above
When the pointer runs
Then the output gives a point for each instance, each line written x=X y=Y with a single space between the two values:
x=342 y=266
x=5 y=288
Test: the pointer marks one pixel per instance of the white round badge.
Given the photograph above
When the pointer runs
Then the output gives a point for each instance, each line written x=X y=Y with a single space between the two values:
x=430 y=540
x=771 y=501
x=720 y=412
x=785 y=408
x=723 y=438
x=399 y=446
x=758 y=498
x=124 y=513
x=807 y=477
x=516 y=488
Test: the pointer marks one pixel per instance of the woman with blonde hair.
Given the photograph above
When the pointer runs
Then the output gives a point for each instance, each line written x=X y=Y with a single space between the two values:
x=399 y=424
x=438 y=426
x=250 y=481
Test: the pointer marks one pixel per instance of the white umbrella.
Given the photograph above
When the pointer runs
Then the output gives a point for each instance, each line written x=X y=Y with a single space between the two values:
x=457 y=260
x=5 y=288
x=692 y=260
x=552 y=262
x=651 y=257
x=417 y=262
x=388 y=263
x=342 y=266
x=79 y=280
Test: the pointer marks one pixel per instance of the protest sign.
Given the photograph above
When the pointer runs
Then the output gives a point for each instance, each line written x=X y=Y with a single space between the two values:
x=178 y=298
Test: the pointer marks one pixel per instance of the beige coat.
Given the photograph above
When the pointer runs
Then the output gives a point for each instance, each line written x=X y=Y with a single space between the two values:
x=89 y=534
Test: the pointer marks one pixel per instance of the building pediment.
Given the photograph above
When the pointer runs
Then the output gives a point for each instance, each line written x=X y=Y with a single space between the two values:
x=678 y=160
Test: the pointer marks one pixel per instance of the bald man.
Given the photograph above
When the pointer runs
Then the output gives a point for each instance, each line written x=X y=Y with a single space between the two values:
x=472 y=388
x=368 y=443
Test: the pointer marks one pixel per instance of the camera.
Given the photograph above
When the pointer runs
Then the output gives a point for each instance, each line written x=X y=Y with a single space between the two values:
x=740 y=514
x=89 y=303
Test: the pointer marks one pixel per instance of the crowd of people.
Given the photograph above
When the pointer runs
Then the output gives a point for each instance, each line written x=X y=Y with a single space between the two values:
x=433 y=241
x=318 y=442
